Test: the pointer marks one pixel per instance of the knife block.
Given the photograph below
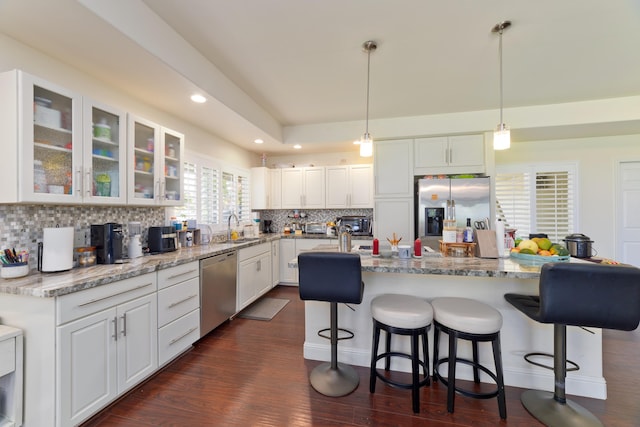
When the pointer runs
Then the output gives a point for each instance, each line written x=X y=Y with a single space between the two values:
x=486 y=247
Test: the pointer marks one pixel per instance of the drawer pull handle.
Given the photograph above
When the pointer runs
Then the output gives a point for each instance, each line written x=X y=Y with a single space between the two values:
x=175 y=276
x=124 y=325
x=175 y=340
x=114 y=295
x=182 y=300
x=115 y=328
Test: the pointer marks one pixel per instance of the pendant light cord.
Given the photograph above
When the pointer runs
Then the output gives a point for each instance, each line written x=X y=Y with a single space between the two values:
x=500 y=55
x=368 y=80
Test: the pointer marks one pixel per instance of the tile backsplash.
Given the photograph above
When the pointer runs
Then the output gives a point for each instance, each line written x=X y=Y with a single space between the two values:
x=21 y=225
x=281 y=217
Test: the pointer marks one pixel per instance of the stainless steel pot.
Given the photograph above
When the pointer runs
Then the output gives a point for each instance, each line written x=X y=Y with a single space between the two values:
x=579 y=245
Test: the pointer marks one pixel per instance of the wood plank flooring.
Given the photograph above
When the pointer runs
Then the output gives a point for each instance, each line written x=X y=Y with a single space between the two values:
x=252 y=373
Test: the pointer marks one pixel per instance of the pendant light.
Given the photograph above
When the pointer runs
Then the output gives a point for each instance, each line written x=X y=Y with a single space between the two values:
x=502 y=135
x=366 y=144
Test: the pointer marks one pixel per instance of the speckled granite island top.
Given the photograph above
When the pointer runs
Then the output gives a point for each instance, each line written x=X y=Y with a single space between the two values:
x=448 y=266
x=47 y=285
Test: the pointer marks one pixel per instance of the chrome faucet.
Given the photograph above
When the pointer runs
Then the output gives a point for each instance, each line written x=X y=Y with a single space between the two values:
x=229 y=224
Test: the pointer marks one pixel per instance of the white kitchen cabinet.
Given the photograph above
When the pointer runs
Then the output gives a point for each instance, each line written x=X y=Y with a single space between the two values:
x=266 y=191
x=254 y=274
x=72 y=148
x=393 y=216
x=288 y=275
x=106 y=343
x=393 y=168
x=303 y=188
x=275 y=193
x=155 y=166
x=349 y=186
x=275 y=263
x=449 y=154
x=290 y=249
x=178 y=310
x=260 y=188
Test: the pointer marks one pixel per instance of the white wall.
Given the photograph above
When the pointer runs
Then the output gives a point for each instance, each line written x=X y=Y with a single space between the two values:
x=318 y=159
x=16 y=55
x=597 y=159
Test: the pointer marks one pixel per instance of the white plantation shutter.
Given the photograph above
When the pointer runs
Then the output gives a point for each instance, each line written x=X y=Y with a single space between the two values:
x=537 y=198
x=228 y=196
x=209 y=195
x=513 y=201
x=243 y=202
x=555 y=203
x=189 y=209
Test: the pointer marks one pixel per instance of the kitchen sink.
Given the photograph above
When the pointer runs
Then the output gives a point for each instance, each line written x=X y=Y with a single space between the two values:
x=244 y=240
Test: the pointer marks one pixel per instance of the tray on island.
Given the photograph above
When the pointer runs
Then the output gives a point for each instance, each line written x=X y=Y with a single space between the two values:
x=537 y=258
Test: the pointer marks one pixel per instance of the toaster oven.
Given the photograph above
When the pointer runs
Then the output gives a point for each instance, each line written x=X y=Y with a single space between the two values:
x=316 y=228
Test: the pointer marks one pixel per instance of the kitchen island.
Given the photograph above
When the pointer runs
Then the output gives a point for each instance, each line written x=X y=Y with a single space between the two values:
x=486 y=280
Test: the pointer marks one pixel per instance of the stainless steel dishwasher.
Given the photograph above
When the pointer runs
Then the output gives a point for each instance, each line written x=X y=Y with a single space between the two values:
x=217 y=290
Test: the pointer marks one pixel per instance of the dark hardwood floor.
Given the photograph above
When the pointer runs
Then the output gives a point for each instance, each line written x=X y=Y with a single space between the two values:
x=252 y=373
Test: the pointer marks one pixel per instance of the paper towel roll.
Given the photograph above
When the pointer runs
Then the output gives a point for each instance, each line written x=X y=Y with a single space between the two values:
x=57 y=249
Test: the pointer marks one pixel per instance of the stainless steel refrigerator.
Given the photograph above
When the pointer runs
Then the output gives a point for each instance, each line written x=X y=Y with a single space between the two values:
x=472 y=198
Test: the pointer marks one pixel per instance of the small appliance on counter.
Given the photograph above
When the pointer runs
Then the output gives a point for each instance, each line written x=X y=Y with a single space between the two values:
x=108 y=239
x=359 y=225
x=162 y=239
x=316 y=228
x=579 y=245
x=135 y=240
x=55 y=252
x=267 y=226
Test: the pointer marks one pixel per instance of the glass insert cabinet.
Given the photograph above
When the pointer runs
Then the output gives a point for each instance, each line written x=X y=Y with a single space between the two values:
x=67 y=148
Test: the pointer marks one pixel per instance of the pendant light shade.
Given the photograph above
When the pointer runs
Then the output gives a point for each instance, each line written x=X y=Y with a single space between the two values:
x=502 y=135
x=366 y=143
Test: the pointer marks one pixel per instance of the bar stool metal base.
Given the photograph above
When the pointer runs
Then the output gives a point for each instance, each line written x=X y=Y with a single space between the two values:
x=549 y=411
x=334 y=382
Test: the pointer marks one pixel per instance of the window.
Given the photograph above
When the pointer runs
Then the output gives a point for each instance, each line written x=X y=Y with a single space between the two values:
x=537 y=199
x=210 y=194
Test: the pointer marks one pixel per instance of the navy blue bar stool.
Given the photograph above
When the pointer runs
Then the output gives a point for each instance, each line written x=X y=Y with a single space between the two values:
x=580 y=294
x=333 y=277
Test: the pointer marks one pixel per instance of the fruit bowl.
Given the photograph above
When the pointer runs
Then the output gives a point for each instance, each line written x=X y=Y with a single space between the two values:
x=538 y=258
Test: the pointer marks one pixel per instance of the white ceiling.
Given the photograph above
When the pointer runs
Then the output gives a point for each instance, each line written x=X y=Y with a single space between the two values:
x=270 y=65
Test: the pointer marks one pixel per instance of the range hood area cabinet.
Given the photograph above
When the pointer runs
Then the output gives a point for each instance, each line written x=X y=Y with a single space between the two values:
x=61 y=147
x=303 y=188
x=349 y=187
x=449 y=155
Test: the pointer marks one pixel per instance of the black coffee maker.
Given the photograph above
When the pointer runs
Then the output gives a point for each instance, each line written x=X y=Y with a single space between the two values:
x=108 y=240
x=266 y=226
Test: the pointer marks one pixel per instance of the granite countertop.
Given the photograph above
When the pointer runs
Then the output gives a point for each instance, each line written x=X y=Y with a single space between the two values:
x=319 y=236
x=449 y=266
x=47 y=285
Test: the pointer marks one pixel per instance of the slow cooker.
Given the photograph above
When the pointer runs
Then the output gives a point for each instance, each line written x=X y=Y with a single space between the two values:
x=579 y=245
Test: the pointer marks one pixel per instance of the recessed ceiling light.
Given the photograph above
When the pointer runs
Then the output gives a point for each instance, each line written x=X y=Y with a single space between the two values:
x=196 y=97
x=297 y=146
x=258 y=141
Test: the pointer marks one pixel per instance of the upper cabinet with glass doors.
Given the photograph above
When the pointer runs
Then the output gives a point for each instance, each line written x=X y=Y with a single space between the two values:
x=155 y=164
x=54 y=148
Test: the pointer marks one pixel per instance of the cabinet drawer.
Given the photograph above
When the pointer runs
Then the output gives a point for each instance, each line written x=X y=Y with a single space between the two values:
x=7 y=356
x=79 y=304
x=178 y=336
x=253 y=251
x=178 y=274
x=178 y=300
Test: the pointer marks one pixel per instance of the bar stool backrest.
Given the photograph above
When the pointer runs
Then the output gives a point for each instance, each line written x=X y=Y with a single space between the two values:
x=330 y=277
x=591 y=295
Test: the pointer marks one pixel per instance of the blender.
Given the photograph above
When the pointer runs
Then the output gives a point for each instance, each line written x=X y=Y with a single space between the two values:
x=135 y=240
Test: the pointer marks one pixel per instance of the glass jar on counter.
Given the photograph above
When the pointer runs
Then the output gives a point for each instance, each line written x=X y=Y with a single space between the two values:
x=85 y=256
